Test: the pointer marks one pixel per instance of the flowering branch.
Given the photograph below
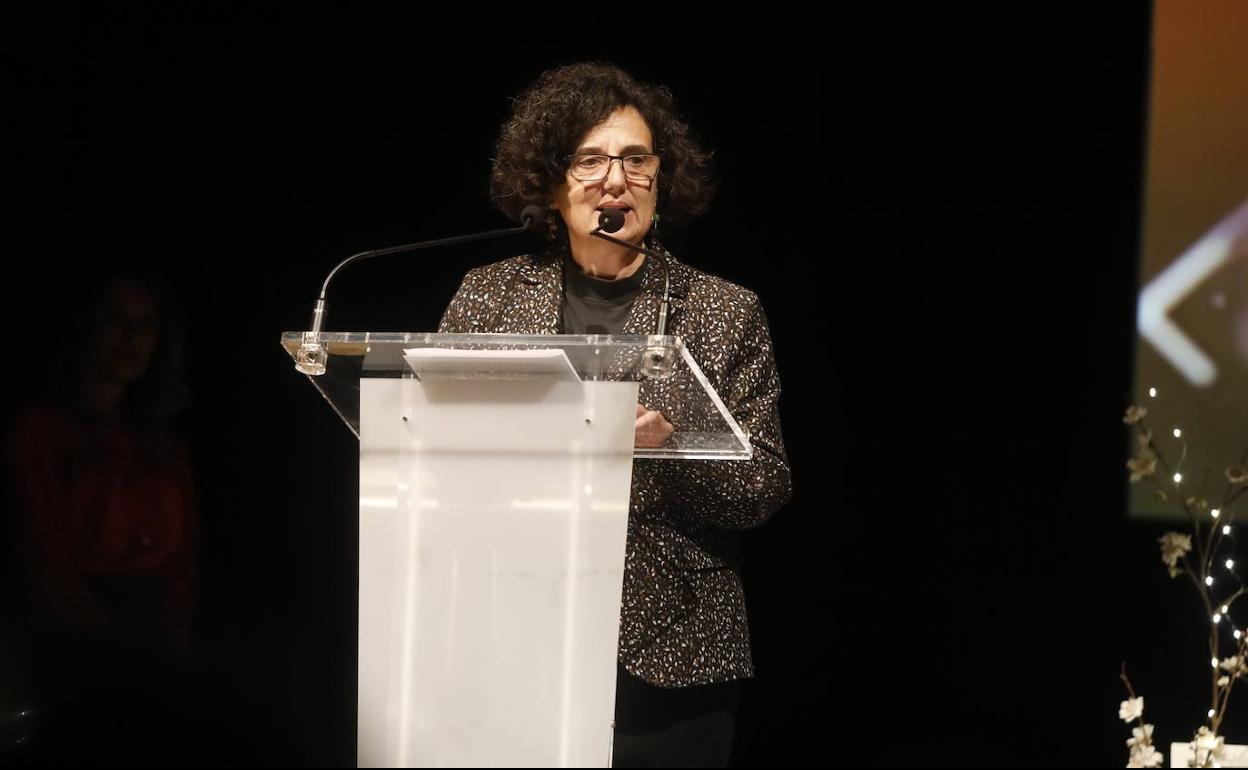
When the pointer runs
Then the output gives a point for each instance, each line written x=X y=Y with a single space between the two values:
x=1143 y=752
x=1210 y=528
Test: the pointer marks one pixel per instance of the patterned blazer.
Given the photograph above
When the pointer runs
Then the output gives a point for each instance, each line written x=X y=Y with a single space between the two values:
x=682 y=619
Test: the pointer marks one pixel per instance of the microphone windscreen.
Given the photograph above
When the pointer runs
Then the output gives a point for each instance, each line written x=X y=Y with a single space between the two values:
x=532 y=219
x=611 y=220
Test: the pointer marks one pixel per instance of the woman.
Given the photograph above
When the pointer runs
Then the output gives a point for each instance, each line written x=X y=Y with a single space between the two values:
x=583 y=139
x=105 y=525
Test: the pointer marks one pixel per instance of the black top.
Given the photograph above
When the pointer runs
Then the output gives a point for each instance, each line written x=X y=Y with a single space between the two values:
x=594 y=306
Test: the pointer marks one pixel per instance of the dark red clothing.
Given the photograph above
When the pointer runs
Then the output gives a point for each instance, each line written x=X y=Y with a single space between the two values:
x=105 y=526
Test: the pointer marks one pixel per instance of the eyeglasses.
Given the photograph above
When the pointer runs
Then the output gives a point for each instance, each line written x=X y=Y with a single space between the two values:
x=592 y=168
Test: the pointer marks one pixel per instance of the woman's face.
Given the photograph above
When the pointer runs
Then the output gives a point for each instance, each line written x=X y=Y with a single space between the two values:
x=623 y=132
x=127 y=334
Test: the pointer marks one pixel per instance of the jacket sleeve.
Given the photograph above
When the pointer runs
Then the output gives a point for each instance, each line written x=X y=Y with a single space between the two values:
x=735 y=494
x=60 y=596
x=461 y=315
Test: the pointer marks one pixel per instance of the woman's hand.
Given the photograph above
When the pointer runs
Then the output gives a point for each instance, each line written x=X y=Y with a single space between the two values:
x=652 y=428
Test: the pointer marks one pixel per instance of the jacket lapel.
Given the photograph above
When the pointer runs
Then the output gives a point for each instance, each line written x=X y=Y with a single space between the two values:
x=534 y=306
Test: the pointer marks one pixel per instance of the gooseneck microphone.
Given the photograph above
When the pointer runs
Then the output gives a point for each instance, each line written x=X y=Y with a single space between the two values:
x=657 y=363
x=312 y=354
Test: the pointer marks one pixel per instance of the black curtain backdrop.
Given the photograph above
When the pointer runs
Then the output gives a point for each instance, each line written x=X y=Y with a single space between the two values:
x=939 y=211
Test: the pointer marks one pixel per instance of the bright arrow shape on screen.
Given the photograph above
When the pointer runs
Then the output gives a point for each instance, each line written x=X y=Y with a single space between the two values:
x=1174 y=283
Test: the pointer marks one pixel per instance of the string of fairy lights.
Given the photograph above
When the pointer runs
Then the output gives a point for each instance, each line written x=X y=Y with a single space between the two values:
x=1223 y=612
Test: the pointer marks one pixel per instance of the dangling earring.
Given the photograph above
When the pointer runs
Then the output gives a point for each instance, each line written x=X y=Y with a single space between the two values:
x=654 y=224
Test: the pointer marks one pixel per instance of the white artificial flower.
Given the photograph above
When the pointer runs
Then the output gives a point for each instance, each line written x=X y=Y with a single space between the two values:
x=1143 y=465
x=1224 y=681
x=1207 y=743
x=1134 y=414
x=1141 y=736
x=1132 y=708
x=1174 y=546
x=1237 y=474
x=1231 y=664
x=1145 y=756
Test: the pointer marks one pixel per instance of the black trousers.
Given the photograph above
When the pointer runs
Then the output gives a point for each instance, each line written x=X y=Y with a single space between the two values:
x=682 y=727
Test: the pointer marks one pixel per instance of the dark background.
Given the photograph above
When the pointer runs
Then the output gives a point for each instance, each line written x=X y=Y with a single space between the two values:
x=939 y=211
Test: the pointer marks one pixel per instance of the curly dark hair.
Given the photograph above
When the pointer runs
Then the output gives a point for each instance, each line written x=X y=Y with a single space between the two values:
x=554 y=113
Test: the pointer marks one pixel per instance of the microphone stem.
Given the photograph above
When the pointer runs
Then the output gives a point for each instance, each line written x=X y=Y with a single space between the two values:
x=318 y=313
x=661 y=328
